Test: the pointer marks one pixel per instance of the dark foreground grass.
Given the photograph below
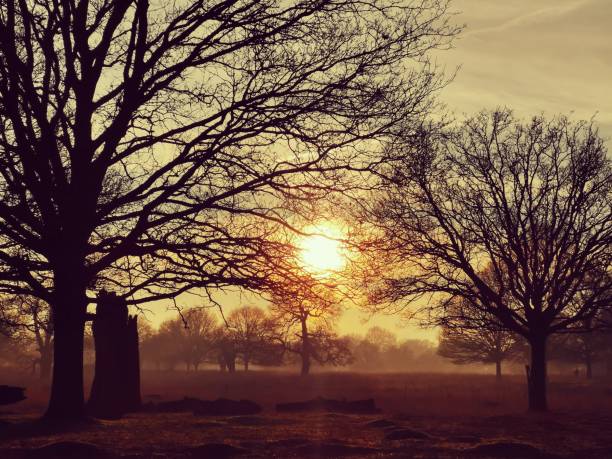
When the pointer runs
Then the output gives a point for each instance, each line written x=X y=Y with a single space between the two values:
x=430 y=416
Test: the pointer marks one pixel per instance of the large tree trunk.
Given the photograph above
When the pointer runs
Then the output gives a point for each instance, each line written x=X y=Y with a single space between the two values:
x=536 y=374
x=305 y=350
x=69 y=308
x=498 y=369
x=67 y=398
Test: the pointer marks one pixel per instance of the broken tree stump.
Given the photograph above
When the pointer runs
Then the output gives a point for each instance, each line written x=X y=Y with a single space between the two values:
x=116 y=385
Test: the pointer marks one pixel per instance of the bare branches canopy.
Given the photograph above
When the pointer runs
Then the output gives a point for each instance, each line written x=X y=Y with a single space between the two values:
x=514 y=217
x=139 y=138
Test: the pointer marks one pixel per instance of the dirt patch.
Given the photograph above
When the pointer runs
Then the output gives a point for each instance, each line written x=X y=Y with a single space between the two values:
x=321 y=404
x=406 y=434
x=315 y=449
x=69 y=450
x=464 y=439
x=218 y=407
x=288 y=442
x=381 y=424
x=257 y=421
x=217 y=451
x=508 y=450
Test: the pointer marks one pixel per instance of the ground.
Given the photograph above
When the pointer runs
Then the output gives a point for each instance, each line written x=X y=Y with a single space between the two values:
x=422 y=415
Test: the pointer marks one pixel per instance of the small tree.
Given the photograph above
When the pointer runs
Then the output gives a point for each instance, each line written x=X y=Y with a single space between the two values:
x=488 y=345
x=584 y=344
x=471 y=334
x=188 y=339
x=27 y=320
x=533 y=201
x=303 y=311
x=381 y=338
x=41 y=327
x=199 y=328
x=252 y=332
x=225 y=348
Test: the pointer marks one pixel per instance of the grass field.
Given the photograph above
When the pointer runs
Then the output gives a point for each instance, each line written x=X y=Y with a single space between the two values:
x=447 y=415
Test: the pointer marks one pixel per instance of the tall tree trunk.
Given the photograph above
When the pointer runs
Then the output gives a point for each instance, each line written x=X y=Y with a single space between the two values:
x=246 y=364
x=69 y=308
x=536 y=374
x=498 y=369
x=306 y=351
x=67 y=397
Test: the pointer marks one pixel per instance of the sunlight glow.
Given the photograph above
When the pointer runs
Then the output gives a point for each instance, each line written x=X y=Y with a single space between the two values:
x=322 y=253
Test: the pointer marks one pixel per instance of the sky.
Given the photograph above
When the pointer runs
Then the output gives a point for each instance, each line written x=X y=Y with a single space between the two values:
x=534 y=56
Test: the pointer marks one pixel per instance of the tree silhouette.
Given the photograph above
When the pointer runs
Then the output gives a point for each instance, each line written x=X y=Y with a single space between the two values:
x=26 y=320
x=187 y=339
x=532 y=201
x=41 y=328
x=253 y=332
x=303 y=312
x=479 y=346
x=472 y=334
x=140 y=139
x=380 y=337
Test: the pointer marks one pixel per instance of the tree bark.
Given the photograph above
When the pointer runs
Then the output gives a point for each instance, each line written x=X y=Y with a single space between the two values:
x=67 y=397
x=498 y=369
x=536 y=374
x=305 y=350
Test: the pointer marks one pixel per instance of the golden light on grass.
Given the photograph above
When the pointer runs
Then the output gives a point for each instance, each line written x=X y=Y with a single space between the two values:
x=322 y=252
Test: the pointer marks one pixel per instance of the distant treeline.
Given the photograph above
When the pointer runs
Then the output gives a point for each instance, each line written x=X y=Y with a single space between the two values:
x=251 y=336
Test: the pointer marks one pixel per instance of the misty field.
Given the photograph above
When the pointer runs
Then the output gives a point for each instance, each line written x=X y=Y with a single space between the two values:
x=445 y=416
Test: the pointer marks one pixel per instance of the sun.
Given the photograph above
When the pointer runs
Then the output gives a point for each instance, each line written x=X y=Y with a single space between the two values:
x=321 y=252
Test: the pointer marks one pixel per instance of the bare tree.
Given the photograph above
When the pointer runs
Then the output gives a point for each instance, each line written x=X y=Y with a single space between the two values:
x=189 y=339
x=199 y=328
x=382 y=338
x=303 y=311
x=139 y=137
x=488 y=345
x=225 y=345
x=27 y=321
x=532 y=201
x=252 y=331
x=41 y=327
x=472 y=334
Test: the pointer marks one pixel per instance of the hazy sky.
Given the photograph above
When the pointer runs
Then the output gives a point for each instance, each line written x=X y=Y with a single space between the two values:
x=535 y=56
x=551 y=56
